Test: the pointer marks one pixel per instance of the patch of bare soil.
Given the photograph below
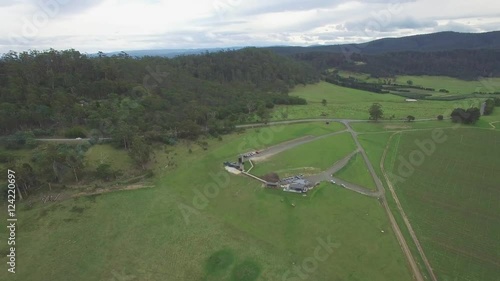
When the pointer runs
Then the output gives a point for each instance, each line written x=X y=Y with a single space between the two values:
x=396 y=127
x=272 y=177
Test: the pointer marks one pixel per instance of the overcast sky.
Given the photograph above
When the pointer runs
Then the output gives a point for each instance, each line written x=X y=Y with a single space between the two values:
x=115 y=25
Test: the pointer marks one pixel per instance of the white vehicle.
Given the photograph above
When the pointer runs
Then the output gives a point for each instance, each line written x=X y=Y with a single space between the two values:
x=332 y=181
x=78 y=138
x=343 y=185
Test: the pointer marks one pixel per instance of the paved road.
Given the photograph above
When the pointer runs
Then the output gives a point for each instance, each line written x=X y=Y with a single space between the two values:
x=342 y=120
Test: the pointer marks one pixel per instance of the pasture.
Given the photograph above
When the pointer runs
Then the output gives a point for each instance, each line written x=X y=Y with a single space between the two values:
x=259 y=138
x=453 y=85
x=211 y=226
x=453 y=201
x=310 y=158
x=372 y=127
x=354 y=104
x=356 y=172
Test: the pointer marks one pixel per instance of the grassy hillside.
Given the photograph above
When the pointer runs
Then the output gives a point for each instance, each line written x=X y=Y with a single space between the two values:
x=171 y=232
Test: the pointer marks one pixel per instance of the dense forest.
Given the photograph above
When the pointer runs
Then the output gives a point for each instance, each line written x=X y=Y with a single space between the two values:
x=462 y=64
x=133 y=102
x=121 y=96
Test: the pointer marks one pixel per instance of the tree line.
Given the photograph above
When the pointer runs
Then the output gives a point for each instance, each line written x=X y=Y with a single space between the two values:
x=121 y=95
x=462 y=64
x=135 y=102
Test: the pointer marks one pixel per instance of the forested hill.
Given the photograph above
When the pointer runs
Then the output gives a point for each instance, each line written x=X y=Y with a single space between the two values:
x=441 y=41
x=121 y=96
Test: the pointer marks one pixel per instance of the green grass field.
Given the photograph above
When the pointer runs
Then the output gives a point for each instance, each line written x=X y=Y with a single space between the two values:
x=354 y=104
x=372 y=127
x=309 y=158
x=200 y=223
x=356 y=172
x=238 y=232
x=455 y=86
x=452 y=201
x=259 y=138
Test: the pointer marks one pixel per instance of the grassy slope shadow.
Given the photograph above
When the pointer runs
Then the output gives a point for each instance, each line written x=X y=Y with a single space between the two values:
x=219 y=261
x=246 y=271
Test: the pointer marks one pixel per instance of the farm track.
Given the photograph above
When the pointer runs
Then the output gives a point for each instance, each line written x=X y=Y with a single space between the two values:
x=380 y=193
x=273 y=150
x=380 y=187
x=403 y=214
x=327 y=176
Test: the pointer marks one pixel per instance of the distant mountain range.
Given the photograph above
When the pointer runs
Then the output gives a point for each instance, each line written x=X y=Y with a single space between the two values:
x=441 y=41
x=170 y=53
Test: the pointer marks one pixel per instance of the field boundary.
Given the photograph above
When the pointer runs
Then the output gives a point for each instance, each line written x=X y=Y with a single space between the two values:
x=402 y=213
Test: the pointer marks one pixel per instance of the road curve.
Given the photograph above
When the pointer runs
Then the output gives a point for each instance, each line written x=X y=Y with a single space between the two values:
x=380 y=187
x=268 y=152
x=328 y=176
x=380 y=193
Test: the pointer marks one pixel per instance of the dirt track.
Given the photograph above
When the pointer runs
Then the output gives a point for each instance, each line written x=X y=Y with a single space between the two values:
x=289 y=145
x=403 y=214
x=380 y=193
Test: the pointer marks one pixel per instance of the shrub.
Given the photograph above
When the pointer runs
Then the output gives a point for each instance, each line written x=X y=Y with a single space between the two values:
x=75 y=132
x=104 y=172
x=6 y=157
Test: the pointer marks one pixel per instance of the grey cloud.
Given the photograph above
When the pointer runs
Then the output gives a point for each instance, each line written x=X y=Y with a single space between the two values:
x=389 y=25
x=293 y=5
x=456 y=26
x=63 y=7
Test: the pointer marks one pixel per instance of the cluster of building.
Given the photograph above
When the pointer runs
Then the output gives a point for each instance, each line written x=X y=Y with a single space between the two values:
x=296 y=184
